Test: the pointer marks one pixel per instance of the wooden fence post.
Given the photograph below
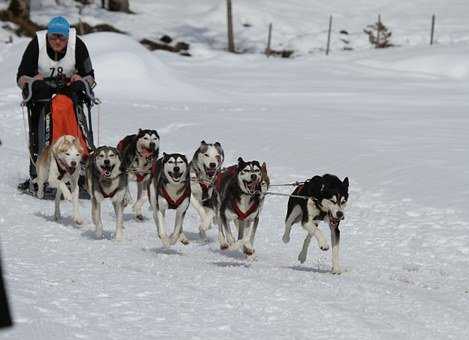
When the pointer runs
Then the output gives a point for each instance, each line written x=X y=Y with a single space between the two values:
x=231 y=45
x=432 y=30
x=329 y=35
x=269 y=38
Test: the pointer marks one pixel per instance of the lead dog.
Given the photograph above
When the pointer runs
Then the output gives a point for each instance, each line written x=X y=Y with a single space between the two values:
x=170 y=189
x=326 y=200
x=138 y=152
x=105 y=178
x=59 y=164
x=241 y=193
x=204 y=167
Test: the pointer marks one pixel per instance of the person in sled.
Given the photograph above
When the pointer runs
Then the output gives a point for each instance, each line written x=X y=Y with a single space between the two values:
x=55 y=62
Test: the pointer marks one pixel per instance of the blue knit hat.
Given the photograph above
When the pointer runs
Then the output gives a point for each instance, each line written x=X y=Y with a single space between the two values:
x=58 y=25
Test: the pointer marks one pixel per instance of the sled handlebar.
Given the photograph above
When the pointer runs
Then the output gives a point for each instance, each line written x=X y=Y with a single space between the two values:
x=29 y=83
x=60 y=83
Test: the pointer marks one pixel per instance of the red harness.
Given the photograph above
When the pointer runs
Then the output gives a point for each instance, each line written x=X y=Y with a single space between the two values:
x=172 y=204
x=140 y=177
x=243 y=215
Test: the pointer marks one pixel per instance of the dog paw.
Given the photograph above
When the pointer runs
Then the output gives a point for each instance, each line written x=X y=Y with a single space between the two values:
x=336 y=270
x=302 y=257
x=224 y=246
x=324 y=247
x=248 y=251
x=183 y=239
x=78 y=220
x=67 y=196
x=286 y=238
x=99 y=235
x=139 y=217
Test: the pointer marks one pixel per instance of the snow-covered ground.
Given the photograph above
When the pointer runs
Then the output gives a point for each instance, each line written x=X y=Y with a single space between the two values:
x=393 y=121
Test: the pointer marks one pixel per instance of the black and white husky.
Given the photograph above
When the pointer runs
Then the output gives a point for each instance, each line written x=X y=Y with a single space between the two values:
x=326 y=200
x=138 y=152
x=204 y=167
x=170 y=189
x=106 y=178
x=241 y=191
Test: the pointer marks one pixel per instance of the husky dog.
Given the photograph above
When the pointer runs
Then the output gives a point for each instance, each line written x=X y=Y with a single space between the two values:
x=138 y=152
x=59 y=164
x=170 y=189
x=327 y=198
x=204 y=167
x=241 y=190
x=106 y=178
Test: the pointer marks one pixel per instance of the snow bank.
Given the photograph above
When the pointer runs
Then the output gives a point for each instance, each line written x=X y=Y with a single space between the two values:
x=124 y=67
x=438 y=61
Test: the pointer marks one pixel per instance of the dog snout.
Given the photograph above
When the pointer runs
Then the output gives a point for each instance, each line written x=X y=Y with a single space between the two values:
x=213 y=165
x=73 y=163
x=107 y=162
x=253 y=177
x=340 y=215
x=152 y=145
x=176 y=169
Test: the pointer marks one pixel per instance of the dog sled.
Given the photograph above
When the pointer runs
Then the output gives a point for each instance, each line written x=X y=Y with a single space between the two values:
x=64 y=113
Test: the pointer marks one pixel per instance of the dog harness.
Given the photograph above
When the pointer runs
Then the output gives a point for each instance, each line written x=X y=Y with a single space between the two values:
x=63 y=169
x=110 y=195
x=322 y=214
x=243 y=215
x=140 y=176
x=172 y=204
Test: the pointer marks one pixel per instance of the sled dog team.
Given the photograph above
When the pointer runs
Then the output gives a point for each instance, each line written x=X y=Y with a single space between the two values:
x=220 y=195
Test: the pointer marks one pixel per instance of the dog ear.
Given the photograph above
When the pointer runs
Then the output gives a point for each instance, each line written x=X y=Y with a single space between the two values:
x=346 y=182
x=241 y=161
x=264 y=168
x=218 y=145
x=203 y=146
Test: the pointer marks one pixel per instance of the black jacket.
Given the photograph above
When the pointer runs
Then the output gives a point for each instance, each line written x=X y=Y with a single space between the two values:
x=28 y=66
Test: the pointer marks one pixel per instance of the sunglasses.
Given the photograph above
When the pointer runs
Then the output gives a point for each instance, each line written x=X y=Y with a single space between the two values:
x=55 y=36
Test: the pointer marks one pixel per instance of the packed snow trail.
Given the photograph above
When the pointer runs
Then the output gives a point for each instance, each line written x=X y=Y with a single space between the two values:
x=399 y=136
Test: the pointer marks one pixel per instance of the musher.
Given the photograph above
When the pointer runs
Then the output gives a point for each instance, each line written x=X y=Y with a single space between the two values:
x=57 y=64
